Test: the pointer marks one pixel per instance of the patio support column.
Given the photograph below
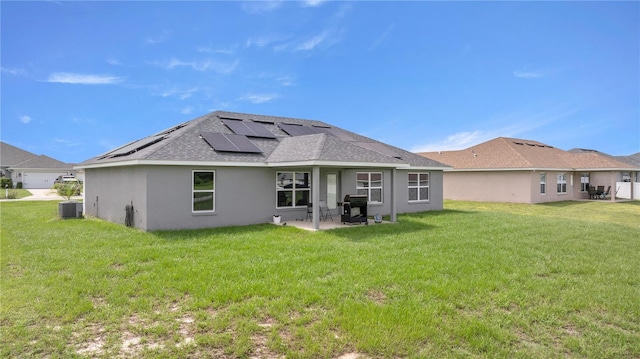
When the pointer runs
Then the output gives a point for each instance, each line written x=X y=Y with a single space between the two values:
x=393 y=216
x=315 y=196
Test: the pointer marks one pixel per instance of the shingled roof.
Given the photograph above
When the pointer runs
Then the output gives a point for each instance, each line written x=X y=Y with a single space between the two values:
x=42 y=161
x=12 y=155
x=324 y=145
x=505 y=153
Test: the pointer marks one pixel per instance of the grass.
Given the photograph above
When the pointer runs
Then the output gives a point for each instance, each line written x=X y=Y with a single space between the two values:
x=475 y=280
x=14 y=193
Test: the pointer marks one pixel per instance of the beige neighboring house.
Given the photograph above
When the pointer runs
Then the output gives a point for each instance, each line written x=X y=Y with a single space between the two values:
x=525 y=171
x=34 y=171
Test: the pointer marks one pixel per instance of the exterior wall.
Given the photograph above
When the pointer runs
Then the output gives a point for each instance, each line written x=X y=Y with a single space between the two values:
x=108 y=190
x=435 y=202
x=552 y=195
x=494 y=186
x=162 y=195
x=242 y=196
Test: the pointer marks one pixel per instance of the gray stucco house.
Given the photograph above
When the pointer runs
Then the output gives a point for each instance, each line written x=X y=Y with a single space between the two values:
x=226 y=168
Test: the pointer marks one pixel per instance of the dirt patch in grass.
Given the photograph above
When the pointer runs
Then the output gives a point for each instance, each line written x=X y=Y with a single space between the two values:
x=377 y=296
x=90 y=340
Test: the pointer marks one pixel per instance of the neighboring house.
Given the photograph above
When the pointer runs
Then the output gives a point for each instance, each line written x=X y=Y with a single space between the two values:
x=34 y=171
x=525 y=171
x=228 y=168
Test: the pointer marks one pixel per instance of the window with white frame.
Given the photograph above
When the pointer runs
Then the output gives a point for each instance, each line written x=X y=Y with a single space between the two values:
x=584 y=182
x=543 y=183
x=370 y=184
x=204 y=191
x=562 y=183
x=293 y=189
x=418 y=187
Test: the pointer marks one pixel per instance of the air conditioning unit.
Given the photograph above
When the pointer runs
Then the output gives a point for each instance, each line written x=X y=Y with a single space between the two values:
x=70 y=209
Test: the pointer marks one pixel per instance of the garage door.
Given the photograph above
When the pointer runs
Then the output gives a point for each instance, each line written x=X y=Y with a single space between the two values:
x=39 y=179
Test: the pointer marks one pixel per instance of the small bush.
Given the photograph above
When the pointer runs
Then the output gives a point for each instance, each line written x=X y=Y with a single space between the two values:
x=6 y=181
x=19 y=185
x=68 y=189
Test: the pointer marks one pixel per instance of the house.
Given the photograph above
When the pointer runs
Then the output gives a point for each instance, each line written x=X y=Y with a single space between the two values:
x=227 y=168
x=34 y=171
x=525 y=171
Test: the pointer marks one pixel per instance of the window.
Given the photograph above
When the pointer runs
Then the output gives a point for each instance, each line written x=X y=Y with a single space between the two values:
x=204 y=185
x=293 y=189
x=370 y=184
x=418 y=187
x=543 y=183
x=584 y=182
x=562 y=183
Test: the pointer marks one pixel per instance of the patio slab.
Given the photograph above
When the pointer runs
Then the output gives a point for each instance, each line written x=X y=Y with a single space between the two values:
x=327 y=224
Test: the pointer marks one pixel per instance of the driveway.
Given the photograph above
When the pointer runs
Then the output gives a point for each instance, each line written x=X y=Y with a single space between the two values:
x=43 y=195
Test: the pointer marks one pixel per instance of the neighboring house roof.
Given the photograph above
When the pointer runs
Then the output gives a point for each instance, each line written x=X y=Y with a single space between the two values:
x=11 y=155
x=42 y=162
x=632 y=159
x=323 y=145
x=505 y=153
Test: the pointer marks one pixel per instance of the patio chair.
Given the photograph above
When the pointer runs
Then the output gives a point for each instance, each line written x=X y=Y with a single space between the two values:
x=592 y=192
x=324 y=211
x=309 y=212
x=606 y=194
x=599 y=191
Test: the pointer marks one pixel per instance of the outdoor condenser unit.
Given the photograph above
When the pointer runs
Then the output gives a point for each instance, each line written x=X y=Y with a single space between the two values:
x=70 y=210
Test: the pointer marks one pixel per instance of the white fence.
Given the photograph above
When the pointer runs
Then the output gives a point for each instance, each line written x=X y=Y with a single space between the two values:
x=624 y=190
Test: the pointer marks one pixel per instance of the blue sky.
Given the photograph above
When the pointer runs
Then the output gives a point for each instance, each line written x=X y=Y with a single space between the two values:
x=80 y=78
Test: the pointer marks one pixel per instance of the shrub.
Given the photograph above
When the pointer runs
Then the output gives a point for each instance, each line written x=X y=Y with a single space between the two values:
x=6 y=181
x=19 y=185
x=68 y=189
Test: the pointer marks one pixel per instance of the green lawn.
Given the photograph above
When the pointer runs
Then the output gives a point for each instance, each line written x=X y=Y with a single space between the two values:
x=475 y=280
x=14 y=193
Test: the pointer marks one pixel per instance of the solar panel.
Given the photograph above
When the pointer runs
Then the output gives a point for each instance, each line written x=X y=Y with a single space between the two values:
x=135 y=146
x=250 y=129
x=298 y=130
x=226 y=142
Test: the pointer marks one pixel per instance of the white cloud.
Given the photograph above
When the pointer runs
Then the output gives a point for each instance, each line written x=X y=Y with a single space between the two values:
x=518 y=123
x=312 y=3
x=16 y=72
x=383 y=37
x=179 y=93
x=259 y=98
x=457 y=141
x=312 y=42
x=258 y=7
x=187 y=110
x=202 y=65
x=113 y=61
x=25 y=119
x=83 y=79
x=158 y=39
x=527 y=74
x=286 y=81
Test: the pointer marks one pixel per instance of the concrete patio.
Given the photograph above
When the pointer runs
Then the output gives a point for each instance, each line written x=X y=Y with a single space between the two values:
x=327 y=224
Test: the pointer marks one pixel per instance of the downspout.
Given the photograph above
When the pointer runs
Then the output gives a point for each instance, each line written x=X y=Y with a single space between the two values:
x=394 y=208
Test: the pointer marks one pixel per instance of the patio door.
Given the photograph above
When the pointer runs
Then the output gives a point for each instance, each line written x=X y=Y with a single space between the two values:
x=332 y=190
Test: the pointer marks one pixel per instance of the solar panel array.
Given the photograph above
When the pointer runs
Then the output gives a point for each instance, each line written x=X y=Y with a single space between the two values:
x=247 y=128
x=227 y=142
x=134 y=146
